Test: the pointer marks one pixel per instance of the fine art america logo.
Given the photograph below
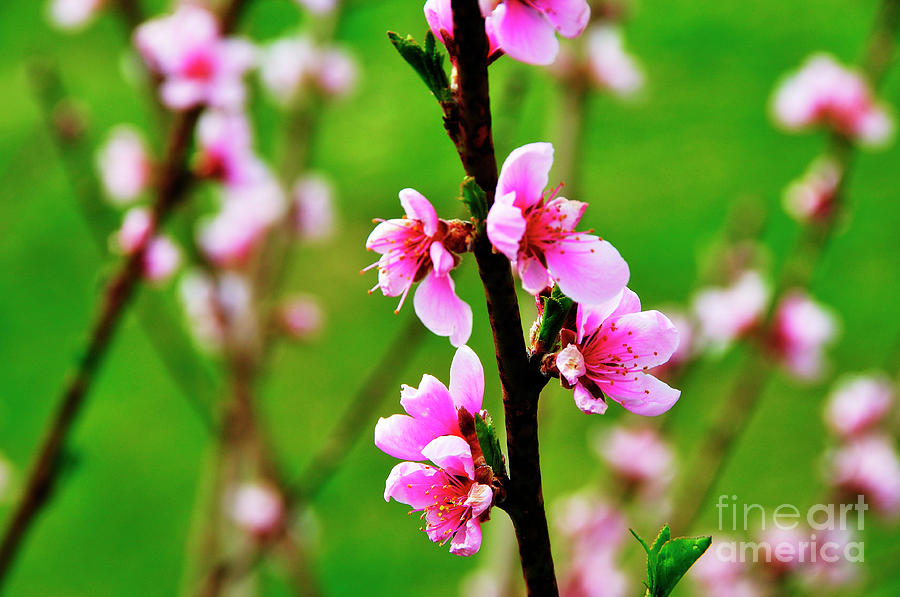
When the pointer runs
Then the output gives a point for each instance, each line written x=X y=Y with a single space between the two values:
x=824 y=533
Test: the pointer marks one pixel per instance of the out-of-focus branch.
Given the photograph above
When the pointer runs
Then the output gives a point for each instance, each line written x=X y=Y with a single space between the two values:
x=717 y=447
x=171 y=186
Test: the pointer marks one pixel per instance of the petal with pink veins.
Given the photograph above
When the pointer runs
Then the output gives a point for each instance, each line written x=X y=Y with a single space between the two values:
x=467 y=380
x=431 y=405
x=409 y=483
x=526 y=171
x=441 y=311
x=587 y=270
x=645 y=339
x=402 y=436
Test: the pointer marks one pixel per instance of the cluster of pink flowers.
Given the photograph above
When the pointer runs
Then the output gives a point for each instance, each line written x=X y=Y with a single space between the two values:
x=825 y=93
x=802 y=328
x=289 y=65
x=595 y=532
x=639 y=458
x=865 y=461
x=726 y=314
x=446 y=492
x=524 y=29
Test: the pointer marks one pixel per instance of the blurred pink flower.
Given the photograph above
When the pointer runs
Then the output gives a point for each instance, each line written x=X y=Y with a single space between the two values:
x=225 y=145
x=258 y=509
x=301 y=316
x=537 y=233
x=610 y=65
x=337 y=72
x=610 y=352
x=594 y=574
x=590 y=524
x=811 y=197
x=724 y=314
x=319 y=7
x=137 y=225
x=640 y=457
x=217 y=306
x=823 y=92
x=289 y=65
x=432 y=408
x=411 y=250
x=161 y=259
x=832 y=572
x=124 y=165
x=869 y=466
x=451 y=502
x=786 y=549
x=857 y=403
x=439 y=15
x=73 y=14
x=313 y=208
x=802 y=329
x=198 y=66
x=718 y=577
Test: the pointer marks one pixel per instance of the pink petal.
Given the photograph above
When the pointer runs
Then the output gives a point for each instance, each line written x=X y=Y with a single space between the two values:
x=409 y=482
x=588 y=270
x=439 y=15
x=451 y=453
x=506 y=225
x=389 y=234
x=181 y=94
x=441 y=259
x=431 y=405
x=441 y=311
x=526 y=171
x=646 y=396
x=569 y=17
x=524 y=33
x=587 y=403
x=631 y=303
x=467 y=541
x=534 y=275
x=570 y=363
x=417 y=207
x=479 y=499
x=589 y=317
x=645 y=339
x=568 y=212
x=467 y=380
x=403 y=437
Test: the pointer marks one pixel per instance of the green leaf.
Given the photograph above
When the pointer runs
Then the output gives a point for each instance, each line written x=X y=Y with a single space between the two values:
x=556 y=310
x=490 y=445
x=674 y=559
x=669 y=559
x=427 y=61
x=474 y=199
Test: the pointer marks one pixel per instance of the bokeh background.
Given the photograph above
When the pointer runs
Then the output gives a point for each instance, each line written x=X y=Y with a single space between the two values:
x=661 y=173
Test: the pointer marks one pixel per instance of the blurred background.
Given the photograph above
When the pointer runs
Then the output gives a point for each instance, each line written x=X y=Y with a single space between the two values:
x=662 y=173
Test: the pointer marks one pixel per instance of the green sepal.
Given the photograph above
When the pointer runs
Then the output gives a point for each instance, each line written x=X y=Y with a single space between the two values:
x=556 y=310
x=427 y=61
x=490 y=444
x=474 y=199
x=669 y=559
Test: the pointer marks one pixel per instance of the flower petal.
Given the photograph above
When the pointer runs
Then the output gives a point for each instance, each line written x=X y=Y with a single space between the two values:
x=534 y=275
x=409 y=482
x=451 y=453
x=524 y=33
x=646 y=396
x=467 y=540
x=403 y=437
x=587 y=403
x=506 y=225
x=467 y=380
x=645 y=339
x=590 y=316
x=587 y=269
x=431 y=405
x=441 y=311
x=570 y=363
x=569 y=17
x=417 y=207
x=441 y=259
x=526 y=171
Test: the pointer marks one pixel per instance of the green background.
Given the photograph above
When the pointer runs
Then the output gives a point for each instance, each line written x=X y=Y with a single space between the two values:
x=660 y=174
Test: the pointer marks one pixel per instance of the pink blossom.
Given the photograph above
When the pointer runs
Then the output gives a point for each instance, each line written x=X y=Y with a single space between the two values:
x=412 y=250
x=823 y=92
x=216 y=307
x=73 y=14
x=812 y=196
x=721 y=577
x=789 y=548
x=802 y=329
x=247 y=213
x=537 y=233
x=301 y=316
x=258 y=509
x=137 y=225
x=725 y=314
x=590 y=524
x=595 y=575
x=639 y=457
x=610 y=353
x=450 y=500
x=319 y=7
x=225 y=143
x=869 y=466
x=161 y=259
x=124 y=165
x=432 y=408
x=337 y=72
x=313 y=208
x=839 y=572
x=197 y=64
x=439 y=15
x=610 y=65
x=858 y=403
x=287 y=65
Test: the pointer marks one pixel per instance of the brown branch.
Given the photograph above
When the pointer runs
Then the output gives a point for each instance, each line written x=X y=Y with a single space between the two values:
x=171 y=188
x=520 y=380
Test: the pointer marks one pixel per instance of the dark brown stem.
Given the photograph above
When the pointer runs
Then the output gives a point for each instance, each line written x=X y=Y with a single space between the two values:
x=730 y=423
x=520 y=380
x=171 y=188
